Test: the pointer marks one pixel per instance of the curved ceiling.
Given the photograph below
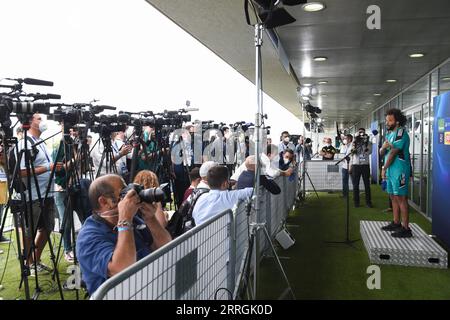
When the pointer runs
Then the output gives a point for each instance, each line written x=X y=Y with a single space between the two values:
x=359 y=60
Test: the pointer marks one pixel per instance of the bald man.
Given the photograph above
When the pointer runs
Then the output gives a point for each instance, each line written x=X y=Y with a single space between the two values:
x=113 y=237
x=247 y=178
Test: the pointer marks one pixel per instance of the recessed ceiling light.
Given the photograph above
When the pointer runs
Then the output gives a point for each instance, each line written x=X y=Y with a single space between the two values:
x=307 y=84
x=322 y=82
x=417 y=55
x=391 y=81
x=368 y=103
x=446 y=79
x=313 y=6
x=377 y=94
x=320 y=59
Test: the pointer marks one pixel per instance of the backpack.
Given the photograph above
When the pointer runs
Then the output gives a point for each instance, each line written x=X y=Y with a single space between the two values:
x=182 y=220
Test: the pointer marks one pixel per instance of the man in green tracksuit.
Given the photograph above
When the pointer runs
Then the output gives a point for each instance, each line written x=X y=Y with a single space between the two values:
x=396 y=171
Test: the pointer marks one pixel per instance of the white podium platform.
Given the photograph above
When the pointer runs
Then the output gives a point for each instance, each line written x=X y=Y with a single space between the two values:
x=418 y=251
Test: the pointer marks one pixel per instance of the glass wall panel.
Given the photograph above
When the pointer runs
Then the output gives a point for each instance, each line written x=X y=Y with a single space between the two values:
x=410 y=129
x=444 y=81
x=416 y=141
x=417 y=94
x=425 y=159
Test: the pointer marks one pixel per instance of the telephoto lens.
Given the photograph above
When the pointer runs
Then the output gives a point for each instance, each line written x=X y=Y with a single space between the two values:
x=149 y=195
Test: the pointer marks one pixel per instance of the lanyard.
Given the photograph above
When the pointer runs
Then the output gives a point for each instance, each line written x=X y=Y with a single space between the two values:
x=42 y=148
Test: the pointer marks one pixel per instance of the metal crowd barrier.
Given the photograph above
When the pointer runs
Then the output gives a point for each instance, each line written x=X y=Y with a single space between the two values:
x=191 y=267
x=325 y=176
x=205 y=263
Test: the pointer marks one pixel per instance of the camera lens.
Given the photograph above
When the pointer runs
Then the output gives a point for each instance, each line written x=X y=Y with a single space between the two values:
x=151 y=195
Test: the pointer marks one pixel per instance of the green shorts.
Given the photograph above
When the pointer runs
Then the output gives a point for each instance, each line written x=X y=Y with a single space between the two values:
x=397 y=184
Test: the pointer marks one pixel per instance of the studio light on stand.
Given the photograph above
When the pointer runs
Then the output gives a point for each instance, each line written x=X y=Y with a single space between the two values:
x=269 y=14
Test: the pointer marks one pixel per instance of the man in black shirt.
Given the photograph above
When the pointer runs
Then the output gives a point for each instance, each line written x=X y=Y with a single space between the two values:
x=328 y=151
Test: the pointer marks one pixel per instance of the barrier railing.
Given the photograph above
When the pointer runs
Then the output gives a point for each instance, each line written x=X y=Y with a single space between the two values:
x=325 y=176
x=193 y=267
x=202 y=263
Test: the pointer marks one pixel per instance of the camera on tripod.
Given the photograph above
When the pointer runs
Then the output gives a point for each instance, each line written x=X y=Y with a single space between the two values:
x=149 y=195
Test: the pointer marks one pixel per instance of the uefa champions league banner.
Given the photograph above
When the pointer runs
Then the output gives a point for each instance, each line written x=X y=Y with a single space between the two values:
x=441 y=168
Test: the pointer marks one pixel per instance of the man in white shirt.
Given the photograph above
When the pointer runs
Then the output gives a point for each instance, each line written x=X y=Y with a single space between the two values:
x=219 y=198
x=285 y=142
x=206 y=166
x=119 y=152
x=269 y=165
x=118 y=145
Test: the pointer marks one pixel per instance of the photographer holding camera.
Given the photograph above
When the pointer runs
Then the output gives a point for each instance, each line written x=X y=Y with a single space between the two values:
x=360 y=165
x=120 y=151
x=114 y=237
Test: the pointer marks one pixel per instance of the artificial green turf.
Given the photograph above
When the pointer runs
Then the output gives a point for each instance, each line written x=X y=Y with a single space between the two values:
x=317 y=270
x=11 y=279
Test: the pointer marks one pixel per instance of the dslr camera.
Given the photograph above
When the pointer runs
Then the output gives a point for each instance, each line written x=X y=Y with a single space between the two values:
x=149 y=195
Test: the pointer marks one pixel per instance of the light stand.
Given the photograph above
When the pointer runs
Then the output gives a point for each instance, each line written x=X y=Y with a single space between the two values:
x=252 y=257
x=347 y=240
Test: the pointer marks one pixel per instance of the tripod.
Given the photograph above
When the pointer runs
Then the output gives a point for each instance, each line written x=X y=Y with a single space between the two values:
x=71 y=182
x=22 y=209
x=254 y=228
x=245 y=287
x=163 y=163
x=302 y=181
x=84 y=155
x=107 y=155
x=347 y=240
x=138 y=144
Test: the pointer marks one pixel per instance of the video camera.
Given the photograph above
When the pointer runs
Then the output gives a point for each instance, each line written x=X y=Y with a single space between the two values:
x=23 y=107
x=314 y=110
x=361 y=142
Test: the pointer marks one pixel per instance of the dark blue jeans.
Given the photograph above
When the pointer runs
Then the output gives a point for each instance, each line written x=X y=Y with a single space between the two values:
x=67 y=232
x=345 y=177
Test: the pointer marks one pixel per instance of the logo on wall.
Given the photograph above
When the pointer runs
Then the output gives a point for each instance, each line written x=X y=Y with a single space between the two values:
x=444 y=130
x=447 y=138
x=441 y=124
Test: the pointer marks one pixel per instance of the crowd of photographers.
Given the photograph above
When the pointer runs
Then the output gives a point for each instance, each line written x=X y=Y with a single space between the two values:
x=121 y=187
x=123 y=222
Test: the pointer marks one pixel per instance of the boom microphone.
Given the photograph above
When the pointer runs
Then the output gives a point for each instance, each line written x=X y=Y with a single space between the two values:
x=191 y=109
x=37 y=82
x=47 y=96
x=106 y=107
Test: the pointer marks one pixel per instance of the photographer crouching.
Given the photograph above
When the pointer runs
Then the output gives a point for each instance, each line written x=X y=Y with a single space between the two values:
x=114 y=237
x=360 y=165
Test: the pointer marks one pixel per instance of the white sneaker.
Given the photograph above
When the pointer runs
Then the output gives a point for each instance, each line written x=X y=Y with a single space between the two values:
x=68 y=256
x=41 y=268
